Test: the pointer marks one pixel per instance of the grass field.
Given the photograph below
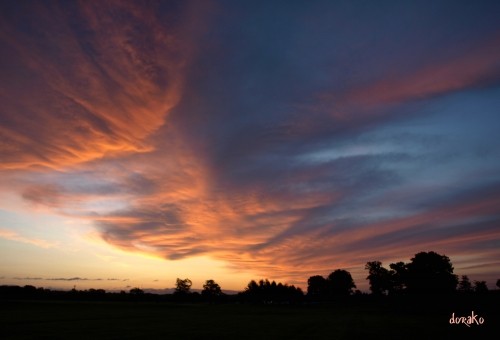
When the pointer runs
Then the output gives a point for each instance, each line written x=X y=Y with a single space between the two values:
x=129 y=320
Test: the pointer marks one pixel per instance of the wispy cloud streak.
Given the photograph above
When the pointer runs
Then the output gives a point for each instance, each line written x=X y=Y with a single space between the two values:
x=85 y=80
x=14 y=236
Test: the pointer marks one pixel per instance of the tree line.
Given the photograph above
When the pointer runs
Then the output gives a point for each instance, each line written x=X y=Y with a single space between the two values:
x=427 y=273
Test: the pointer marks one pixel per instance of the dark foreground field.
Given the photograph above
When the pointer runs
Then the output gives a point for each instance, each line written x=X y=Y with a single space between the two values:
x=141 y=320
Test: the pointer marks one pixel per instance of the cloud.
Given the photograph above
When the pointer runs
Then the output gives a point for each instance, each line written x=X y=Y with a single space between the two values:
x=73 y=94
x=47 y=195
x=71 y=279
x=14 y=236
x=269 y=229
x=76 y=278
x=474 y=69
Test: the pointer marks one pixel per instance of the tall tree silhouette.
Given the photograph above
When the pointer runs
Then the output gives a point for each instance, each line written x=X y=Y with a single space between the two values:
x=464 y=285
x=430 y=273
x=399 y=276
x=340 y=283
x=379 y=277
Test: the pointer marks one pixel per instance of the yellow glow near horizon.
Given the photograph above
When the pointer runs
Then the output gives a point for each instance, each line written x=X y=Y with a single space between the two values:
x=72 y=249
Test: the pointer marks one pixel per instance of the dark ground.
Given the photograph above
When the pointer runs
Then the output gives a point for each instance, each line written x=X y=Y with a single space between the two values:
x=385 y=319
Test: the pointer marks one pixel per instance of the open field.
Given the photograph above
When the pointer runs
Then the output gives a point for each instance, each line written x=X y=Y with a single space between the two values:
x=129 y=320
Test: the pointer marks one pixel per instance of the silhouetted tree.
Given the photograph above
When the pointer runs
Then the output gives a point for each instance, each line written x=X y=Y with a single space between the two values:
x=379 y=277
x=430 y=273
x=399 y=275
x=480 y=287
x=136 y=292
x=464 y=285
x=317 y=287
x=30 y=291
x=182 y=287
x=252 y=287
x=271 y=292
x=211 y=290
x=340 y=283
x=97 y=294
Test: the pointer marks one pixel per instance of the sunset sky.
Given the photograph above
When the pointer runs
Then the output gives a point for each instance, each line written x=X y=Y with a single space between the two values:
x=235 y=140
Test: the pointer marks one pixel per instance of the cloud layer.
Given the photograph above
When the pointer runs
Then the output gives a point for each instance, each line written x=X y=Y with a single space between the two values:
x=287 y=141
x=83 y=81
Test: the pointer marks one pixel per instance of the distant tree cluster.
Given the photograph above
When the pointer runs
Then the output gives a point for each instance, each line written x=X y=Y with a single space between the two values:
x=271 y=292
x=31 y=292
x=465 y=286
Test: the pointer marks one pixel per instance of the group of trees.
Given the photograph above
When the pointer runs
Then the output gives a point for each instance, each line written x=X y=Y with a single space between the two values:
x=211 y=290
x=338 y=283
x=465 y=286
x=426 y=273
x=271 y=292
x=33 y=293
x=262 y=291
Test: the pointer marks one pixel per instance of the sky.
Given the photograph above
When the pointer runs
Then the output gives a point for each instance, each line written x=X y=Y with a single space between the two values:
x=237 y=140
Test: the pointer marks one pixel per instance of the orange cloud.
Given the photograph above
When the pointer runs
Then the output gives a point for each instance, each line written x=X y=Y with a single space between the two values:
x=261 y=229
x=76 y=95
